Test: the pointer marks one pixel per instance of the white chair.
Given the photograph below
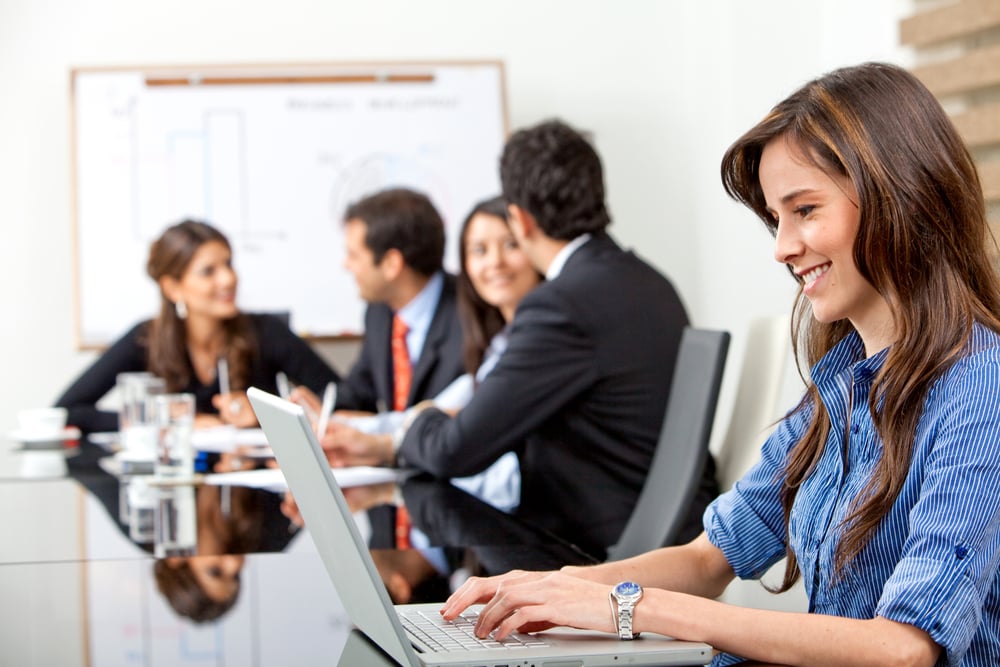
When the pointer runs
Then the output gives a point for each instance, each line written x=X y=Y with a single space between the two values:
x=758 y=395
x=756 y=408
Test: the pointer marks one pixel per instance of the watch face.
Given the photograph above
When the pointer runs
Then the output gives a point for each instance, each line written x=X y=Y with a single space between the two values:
x=628 y=589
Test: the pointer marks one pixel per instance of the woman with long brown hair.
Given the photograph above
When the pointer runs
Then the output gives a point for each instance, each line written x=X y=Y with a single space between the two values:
x=880 y=487
x=198 y=324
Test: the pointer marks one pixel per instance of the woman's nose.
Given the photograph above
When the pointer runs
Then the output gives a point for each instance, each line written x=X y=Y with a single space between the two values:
x=787 y=243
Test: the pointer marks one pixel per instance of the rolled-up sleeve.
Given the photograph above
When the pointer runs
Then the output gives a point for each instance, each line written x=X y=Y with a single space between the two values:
x=747 y=523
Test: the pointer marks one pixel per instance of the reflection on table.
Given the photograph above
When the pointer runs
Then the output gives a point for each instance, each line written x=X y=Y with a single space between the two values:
x=235 y=580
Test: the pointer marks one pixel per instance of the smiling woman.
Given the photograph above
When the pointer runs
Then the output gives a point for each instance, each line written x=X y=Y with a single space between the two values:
x=199 y=326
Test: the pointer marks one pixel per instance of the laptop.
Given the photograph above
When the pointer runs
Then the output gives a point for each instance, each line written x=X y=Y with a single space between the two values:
x=411 y=634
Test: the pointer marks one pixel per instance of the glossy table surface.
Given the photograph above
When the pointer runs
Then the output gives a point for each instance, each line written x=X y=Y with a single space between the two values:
x=80 y=584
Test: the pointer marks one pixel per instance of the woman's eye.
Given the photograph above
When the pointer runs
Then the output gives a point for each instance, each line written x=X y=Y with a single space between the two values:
x=804 y=211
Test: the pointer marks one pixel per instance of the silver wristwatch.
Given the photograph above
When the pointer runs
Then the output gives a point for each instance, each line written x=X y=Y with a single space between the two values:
x=624 y=597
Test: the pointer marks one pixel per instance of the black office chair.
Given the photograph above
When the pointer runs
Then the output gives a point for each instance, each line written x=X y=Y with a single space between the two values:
x=284 y=315
x=682 y=450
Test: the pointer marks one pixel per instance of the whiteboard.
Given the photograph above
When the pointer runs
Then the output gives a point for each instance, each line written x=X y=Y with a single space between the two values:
x=271 y=156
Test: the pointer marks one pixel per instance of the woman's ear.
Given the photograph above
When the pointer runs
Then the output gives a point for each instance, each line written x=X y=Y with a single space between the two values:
x=171 y=288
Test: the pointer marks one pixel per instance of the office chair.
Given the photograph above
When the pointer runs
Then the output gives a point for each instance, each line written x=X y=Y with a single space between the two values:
x=284 y=315
x=682 y=449
x=756 y=408
x=758 y=393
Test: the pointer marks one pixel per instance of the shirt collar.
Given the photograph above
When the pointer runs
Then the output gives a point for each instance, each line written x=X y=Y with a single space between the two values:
x=559 y=261
x=418 y=313
x=849 y=352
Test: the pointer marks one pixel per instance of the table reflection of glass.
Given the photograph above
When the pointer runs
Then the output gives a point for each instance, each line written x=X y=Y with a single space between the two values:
x=252 y=590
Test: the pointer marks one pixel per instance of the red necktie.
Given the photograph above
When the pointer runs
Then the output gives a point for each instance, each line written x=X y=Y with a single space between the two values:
x=402 y=375
x=402 y=372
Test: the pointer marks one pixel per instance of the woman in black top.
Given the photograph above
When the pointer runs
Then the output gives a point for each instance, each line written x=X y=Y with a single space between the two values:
x=198 y=324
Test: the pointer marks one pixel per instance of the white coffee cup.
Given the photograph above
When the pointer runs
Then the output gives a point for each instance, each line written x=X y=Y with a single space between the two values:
x=42 y=422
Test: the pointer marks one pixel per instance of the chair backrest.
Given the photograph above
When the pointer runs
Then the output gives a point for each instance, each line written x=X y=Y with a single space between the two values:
x=758 y=392
x=284 y=315
x=676 y=468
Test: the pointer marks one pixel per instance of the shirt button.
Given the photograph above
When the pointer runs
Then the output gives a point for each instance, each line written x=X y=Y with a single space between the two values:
x=961 y=552
x=854 y=429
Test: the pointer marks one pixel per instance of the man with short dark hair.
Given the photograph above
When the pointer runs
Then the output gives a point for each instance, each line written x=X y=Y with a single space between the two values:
x=581 y=392
x=395 y=246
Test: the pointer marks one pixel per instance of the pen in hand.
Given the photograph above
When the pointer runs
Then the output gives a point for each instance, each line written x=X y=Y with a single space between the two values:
x=223 y=376
x=329 y=399
x=283 y=389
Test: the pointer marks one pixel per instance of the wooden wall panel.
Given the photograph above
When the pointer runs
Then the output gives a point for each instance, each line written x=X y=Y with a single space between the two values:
x=949 y=21
x=989 y=175
x=970 y=72
x=957 y=45
x=980 y=125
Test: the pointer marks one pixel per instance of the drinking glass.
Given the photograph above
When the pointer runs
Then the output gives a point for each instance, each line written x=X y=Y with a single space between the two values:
x=137 y=420
x=174 y=416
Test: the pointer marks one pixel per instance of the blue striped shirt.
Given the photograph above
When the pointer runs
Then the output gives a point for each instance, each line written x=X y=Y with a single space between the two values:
x=933 y=560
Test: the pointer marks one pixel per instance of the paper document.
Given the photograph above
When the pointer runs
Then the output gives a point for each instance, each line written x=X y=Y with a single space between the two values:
x=220 y=439
x=272 y=479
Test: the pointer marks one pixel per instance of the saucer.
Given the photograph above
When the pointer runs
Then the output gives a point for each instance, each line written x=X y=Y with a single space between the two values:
x=35 y=439
x=42 y=464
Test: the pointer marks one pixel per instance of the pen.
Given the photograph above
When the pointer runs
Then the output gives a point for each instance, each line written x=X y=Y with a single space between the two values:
x=329 y=398
x=282 y=381
x=223 y=376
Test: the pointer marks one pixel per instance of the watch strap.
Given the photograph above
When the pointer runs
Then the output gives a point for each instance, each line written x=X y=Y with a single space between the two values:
x=621 y=612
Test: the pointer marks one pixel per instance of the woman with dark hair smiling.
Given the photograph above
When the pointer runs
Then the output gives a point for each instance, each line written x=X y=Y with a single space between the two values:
x=198 y=324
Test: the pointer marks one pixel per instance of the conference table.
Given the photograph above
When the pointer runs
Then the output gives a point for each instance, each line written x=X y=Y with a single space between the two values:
x=81 y=582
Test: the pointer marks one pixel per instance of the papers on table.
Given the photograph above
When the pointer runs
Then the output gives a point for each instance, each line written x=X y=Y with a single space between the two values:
x=220 y=439
x=215 y=439
x=272 y=479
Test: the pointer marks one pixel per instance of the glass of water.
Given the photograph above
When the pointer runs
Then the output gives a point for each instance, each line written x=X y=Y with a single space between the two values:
x=137 y=419
x=174 y=423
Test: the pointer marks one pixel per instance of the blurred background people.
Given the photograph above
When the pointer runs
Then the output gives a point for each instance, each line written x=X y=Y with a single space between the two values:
x=495 y=275
x=198 y=324
x=581 y=390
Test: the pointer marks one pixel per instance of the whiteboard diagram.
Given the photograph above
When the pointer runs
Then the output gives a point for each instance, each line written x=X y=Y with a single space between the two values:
x=272 y=157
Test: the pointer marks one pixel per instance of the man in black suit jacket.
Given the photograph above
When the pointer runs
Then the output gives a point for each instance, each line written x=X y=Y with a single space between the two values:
x=395 y=246
x=581 y=392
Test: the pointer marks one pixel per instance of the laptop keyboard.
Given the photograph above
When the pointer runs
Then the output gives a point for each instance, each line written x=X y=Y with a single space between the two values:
x=443 y=636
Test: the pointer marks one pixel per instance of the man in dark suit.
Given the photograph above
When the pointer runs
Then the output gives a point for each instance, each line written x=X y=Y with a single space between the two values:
x=395 y=246
x=581 y=392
